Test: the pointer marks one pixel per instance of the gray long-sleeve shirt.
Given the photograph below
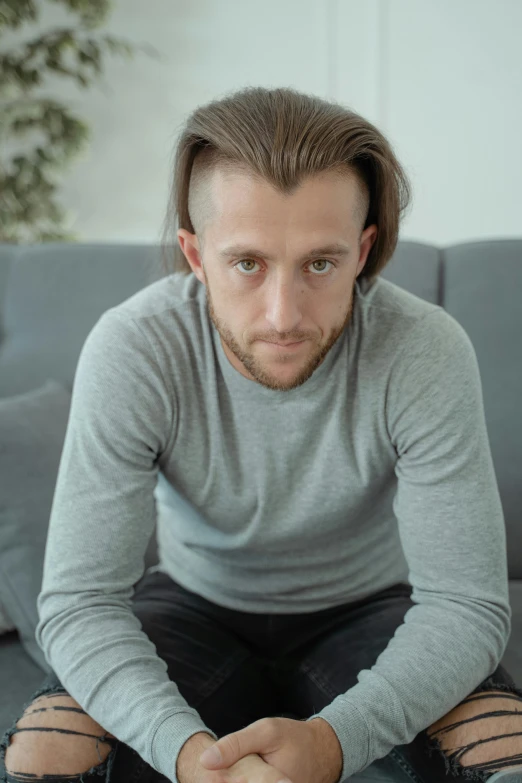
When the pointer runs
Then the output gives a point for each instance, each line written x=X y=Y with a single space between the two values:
x=376 y=470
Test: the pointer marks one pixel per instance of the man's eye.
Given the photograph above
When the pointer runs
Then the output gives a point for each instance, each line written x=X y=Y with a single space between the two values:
x=321 y=273
x=245 y=261
x=320 y=261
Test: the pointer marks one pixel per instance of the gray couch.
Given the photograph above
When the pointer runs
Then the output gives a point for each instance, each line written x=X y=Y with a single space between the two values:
x=50 y=297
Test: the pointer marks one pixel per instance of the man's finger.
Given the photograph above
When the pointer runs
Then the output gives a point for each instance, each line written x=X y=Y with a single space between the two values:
x=232 y=748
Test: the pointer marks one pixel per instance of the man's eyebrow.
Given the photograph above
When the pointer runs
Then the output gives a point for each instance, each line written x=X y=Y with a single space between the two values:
x=335 y=249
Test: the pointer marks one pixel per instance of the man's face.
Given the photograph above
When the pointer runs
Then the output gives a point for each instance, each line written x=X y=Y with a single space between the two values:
x=279 y=293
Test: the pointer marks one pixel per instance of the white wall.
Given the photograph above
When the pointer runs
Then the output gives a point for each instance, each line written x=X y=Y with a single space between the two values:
x=441 y=78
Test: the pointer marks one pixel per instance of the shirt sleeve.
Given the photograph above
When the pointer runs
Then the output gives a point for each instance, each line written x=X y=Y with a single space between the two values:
x=452 y=531
x=102 y=517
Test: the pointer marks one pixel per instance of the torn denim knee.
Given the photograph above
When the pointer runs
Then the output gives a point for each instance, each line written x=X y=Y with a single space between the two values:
x=484 y=770
x=104 y=768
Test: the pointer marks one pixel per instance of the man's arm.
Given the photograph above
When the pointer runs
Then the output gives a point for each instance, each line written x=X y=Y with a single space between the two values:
x=102 y=518
x=452 y=531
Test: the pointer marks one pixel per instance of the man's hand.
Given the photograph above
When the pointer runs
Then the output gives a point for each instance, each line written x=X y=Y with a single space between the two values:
x=306 y=752
x=250 y=769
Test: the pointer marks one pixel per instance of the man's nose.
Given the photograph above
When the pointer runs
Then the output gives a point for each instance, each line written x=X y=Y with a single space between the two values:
x=284 y=306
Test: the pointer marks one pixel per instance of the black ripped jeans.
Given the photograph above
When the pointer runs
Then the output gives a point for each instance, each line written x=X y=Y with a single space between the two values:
x=269 y=665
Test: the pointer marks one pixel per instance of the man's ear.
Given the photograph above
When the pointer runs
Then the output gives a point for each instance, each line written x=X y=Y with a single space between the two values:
x=368 y=237
x=190 y=247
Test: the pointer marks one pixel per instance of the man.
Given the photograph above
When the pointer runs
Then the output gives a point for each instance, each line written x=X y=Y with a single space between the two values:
x=321 y=445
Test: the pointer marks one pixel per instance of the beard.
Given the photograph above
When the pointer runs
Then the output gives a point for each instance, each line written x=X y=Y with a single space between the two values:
x=258 y=370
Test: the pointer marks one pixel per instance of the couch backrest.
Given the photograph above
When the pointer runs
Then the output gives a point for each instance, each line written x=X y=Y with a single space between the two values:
x=482 y=290
x=52 y=294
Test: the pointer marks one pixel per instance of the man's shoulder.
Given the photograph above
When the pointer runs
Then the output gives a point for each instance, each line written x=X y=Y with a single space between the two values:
x=174 y=293
x=164 y=314
x=389 y=298
x=394 y=318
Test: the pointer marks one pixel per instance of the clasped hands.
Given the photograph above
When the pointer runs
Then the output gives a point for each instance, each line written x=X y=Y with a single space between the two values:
x=303 y=751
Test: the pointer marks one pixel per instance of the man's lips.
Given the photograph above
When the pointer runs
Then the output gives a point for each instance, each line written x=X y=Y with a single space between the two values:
x=284 y=345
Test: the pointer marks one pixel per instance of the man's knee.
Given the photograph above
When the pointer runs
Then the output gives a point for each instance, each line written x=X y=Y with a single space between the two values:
x=484 y=732
x=63 y=741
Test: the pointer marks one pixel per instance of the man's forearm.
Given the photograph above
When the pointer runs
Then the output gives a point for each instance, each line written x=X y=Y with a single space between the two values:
x=333 y=754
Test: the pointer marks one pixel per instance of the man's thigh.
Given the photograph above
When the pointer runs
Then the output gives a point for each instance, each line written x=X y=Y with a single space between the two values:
x=216 y=673
x=345 y=642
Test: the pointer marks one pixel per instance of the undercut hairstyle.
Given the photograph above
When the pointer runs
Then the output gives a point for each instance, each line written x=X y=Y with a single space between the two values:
x=282 y=137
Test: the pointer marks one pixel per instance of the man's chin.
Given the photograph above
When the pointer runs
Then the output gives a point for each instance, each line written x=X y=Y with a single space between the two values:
x=287 y=374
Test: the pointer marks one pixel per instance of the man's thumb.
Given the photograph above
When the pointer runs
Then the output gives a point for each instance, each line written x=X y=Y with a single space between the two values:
x=211 y=757
x=227 y=750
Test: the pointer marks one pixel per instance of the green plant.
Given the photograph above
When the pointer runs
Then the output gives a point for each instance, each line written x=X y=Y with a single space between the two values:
x=29 y=179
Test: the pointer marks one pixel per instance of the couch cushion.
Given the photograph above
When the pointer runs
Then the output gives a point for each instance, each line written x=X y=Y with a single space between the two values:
x=482 y=288
x=53 y=295
x=32 y=431
x=416 y=267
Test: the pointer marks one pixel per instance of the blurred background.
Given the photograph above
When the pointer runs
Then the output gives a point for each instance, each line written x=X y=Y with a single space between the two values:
x=441 y=78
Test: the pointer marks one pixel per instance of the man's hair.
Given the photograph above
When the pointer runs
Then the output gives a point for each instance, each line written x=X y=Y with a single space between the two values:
x=282 y=137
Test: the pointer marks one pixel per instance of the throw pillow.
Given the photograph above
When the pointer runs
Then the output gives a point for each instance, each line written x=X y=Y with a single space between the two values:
x=32 y=433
